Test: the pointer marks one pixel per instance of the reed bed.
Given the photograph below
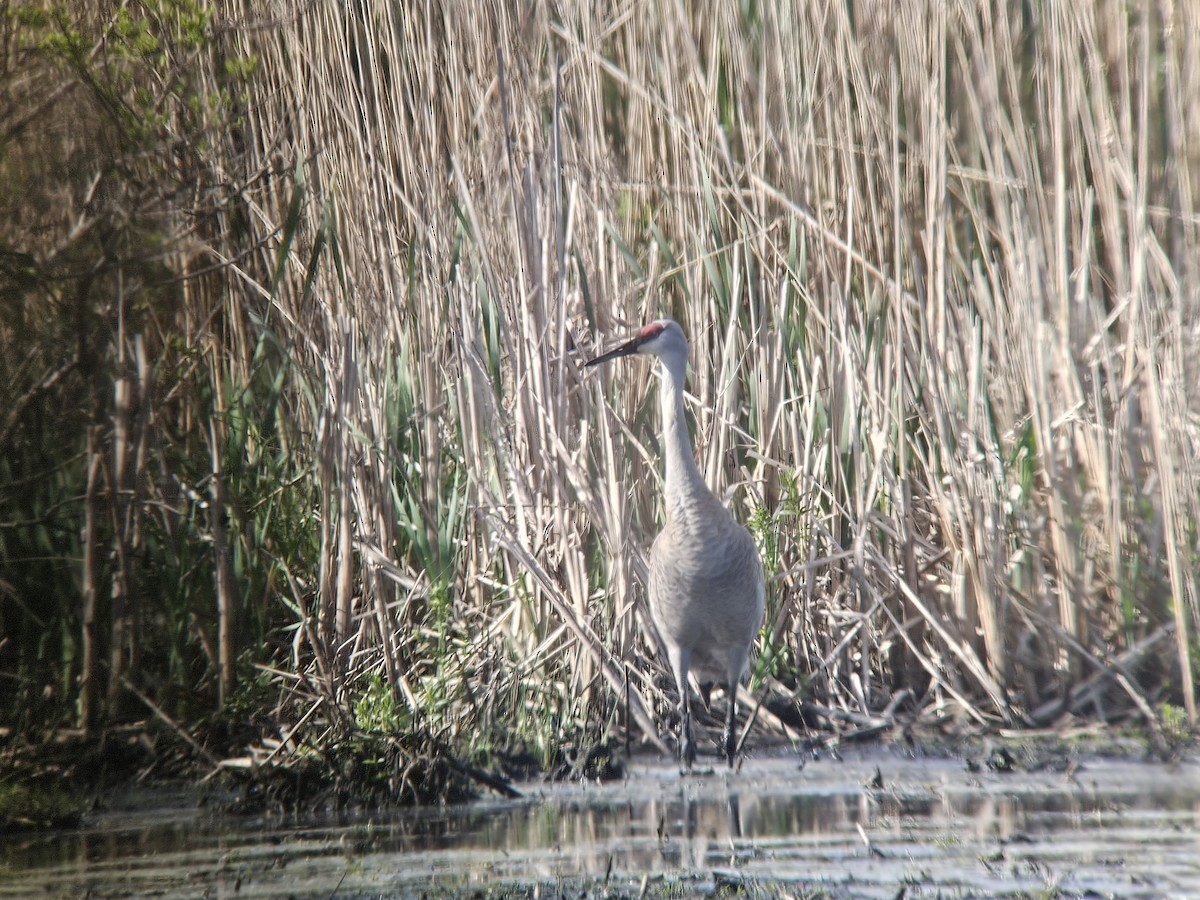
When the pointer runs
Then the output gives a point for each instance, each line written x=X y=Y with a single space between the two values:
x=938 y=266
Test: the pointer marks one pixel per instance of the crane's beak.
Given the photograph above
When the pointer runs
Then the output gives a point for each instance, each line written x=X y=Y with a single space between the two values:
x=627 y=349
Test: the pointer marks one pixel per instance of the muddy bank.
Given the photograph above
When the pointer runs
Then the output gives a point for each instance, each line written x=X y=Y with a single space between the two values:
x=871 y=823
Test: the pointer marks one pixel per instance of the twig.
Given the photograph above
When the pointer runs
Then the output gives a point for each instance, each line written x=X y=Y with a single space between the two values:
x=495 y=782
x=1086 y=691
x=847 y=715
x=175 y=726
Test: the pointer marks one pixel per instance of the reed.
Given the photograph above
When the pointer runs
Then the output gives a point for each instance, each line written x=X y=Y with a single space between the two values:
x=936 y=279
x=938 y=269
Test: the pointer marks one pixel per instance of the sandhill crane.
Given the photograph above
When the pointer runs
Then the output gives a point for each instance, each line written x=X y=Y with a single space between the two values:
x=706 y=578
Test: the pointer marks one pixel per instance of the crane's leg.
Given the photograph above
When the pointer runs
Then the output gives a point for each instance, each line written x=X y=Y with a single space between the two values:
x=680 y=659
x=729 y=741
x=687 y=747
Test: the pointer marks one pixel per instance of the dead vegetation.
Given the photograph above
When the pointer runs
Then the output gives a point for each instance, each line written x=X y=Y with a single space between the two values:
x=938 y=269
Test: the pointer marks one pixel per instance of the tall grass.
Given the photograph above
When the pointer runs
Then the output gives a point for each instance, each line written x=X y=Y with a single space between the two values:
x=938 y=277
x=938 y=270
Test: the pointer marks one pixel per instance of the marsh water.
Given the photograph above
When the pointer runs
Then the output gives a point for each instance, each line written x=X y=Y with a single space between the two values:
x=875 y=824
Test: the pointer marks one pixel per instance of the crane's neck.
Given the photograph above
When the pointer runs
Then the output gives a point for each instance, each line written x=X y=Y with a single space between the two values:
x=684 y=486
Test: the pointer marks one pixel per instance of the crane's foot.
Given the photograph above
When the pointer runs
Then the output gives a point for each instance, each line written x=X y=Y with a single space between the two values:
x=687 y=751
x=729 y=745
x=687 y=747
x=729 y=738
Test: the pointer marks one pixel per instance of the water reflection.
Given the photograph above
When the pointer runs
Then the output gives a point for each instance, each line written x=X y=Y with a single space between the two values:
x=1115 y=828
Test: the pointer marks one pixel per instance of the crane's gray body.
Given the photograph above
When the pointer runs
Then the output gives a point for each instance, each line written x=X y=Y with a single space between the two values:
x=706 y=594
x=706 y=578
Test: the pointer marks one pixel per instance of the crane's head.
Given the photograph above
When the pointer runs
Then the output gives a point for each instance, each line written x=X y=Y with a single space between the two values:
x=662 y=338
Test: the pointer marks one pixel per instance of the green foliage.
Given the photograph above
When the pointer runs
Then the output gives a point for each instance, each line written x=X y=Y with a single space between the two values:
x=102 y=154
x=147 y=85
x=1173 y=720
x=1022 y=463
x=376 y=709
x=765 y=528
x=774 y=532
x=38 y=804
x=255 y=693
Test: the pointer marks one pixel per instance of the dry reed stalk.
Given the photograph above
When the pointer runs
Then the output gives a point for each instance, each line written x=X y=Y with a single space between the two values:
x=226 y=587
x=125 y=476
x=931 y=304
x=89 y=676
